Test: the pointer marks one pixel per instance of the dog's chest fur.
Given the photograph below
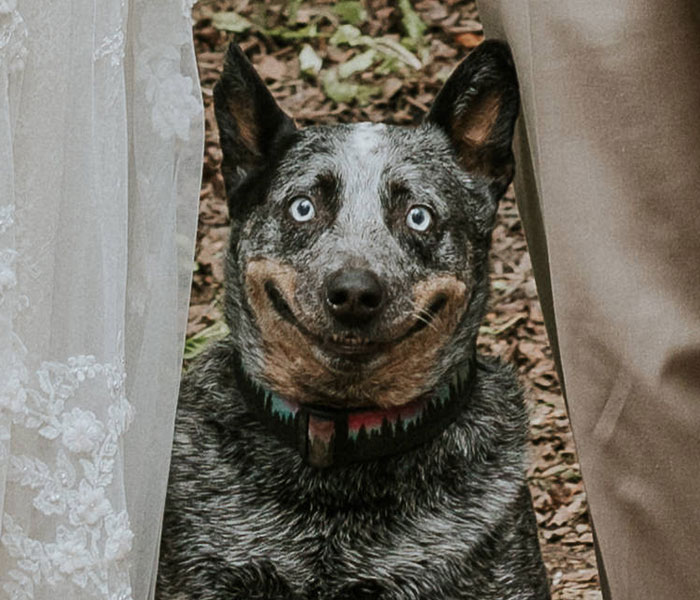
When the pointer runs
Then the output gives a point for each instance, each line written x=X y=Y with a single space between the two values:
x=247 y=519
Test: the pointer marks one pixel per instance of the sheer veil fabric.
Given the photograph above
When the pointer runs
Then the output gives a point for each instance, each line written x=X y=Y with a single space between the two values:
x=101 y=134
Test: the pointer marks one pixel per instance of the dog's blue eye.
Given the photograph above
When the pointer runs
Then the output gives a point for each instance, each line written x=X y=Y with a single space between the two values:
x=419 y=218
x=302 y=209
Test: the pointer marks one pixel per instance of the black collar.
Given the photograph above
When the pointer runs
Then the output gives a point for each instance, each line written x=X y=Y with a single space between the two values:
x=326 y=436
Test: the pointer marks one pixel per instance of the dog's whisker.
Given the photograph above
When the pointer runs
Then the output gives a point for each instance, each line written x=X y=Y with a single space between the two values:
x=423 y=314
x=425 y=317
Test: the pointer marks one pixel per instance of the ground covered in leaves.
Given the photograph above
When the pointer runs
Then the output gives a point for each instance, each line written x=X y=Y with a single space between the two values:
x=384 y=61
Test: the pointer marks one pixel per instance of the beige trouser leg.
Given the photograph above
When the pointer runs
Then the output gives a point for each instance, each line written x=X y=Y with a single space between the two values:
x=609 y=188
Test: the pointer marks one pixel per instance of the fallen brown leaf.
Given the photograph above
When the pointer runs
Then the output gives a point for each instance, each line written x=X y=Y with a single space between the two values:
x=469 y=39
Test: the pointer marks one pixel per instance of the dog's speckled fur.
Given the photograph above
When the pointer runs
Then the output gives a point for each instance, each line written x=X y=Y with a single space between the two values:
x=451 y=519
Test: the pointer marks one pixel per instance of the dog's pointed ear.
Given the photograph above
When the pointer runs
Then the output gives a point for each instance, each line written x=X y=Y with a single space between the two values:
x=249 y=119
x=477 y=108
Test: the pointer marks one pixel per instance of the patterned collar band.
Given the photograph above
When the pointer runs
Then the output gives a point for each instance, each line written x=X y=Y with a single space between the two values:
x=328 y=437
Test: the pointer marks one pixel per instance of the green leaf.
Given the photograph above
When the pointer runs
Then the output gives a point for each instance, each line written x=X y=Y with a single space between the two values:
x=309 y=62
x=443 y=74
x=390 y=64
x=344 y=91
x=231 y=21
x=361 y=62
x=393 y=49
x=195 y=345
x=412 y=23
x=346 y=34
x=305 y=33
x=292 y=10
x=351 y=12
x=388 y=47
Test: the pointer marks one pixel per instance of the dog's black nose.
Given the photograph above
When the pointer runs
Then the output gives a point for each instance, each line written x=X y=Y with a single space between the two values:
x=354 y=296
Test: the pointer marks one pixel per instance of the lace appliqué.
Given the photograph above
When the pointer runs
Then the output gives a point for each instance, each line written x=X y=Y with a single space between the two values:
x=92 y=539
x=187 y=9
x=112 y=46
x=159 y=71
x=65 y=532
x=8 y=279
x=13 y=34
x=7 y=217
x=168 y=91
x=113 y=39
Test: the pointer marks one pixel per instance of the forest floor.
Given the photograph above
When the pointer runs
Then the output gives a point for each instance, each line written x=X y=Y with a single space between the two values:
x=334 y=62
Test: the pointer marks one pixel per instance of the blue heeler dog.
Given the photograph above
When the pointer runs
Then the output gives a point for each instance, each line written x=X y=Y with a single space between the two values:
x=346 y=441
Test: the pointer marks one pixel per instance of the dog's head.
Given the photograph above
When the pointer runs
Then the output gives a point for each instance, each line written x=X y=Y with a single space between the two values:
x=356 y=272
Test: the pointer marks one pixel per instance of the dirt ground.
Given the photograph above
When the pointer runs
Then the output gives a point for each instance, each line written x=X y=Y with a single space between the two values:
x=384 y=61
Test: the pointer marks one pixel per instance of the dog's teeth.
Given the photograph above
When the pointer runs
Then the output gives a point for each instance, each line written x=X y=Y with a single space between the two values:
x=349 y=340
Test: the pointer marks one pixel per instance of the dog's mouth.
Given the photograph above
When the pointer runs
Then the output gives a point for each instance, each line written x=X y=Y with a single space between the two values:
x=348 y=344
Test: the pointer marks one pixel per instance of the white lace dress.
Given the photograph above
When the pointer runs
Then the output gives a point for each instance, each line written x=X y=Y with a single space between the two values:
x=101 y=136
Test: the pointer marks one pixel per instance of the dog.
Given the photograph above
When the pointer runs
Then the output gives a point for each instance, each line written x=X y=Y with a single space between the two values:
x=345 y=441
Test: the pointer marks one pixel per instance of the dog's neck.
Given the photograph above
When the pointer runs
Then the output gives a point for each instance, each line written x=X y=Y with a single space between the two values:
x=327 y=437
